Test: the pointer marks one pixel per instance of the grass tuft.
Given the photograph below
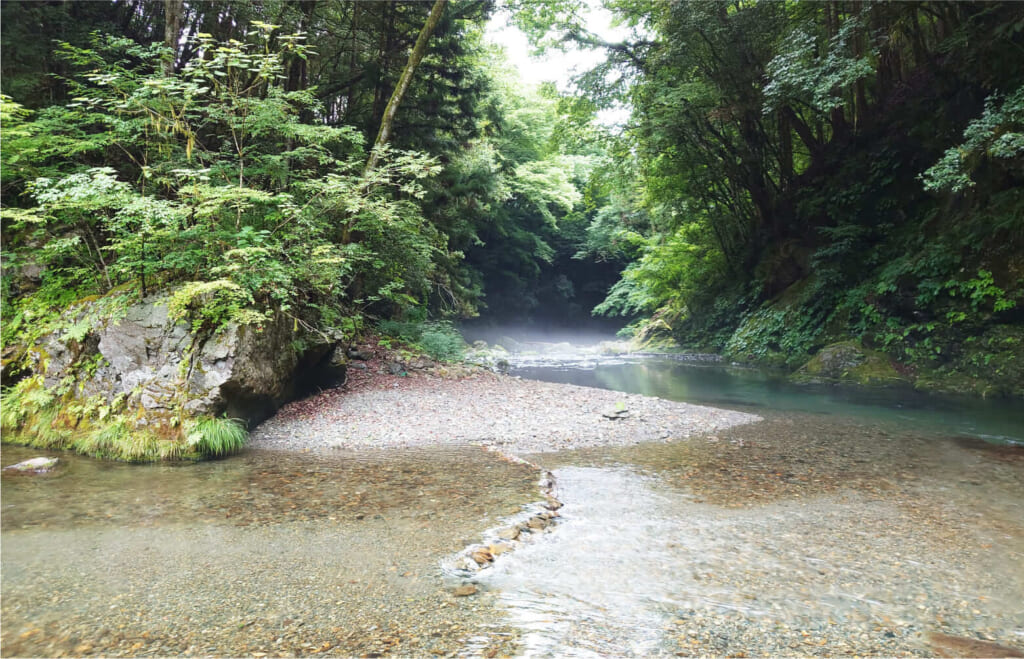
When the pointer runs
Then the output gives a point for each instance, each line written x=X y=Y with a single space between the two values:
x=216 y=437
x=32 y=416
x=104 y=442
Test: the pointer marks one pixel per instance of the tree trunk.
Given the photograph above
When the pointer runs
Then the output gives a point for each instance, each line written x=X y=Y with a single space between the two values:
x=415 y=57
x=173 y=10
x=785 y=151
x=353 y=66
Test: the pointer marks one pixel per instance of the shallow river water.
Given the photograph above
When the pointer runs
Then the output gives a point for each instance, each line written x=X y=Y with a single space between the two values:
x=842 y=524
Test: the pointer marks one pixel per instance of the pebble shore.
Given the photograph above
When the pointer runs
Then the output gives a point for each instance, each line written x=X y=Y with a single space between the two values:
x=510 y=414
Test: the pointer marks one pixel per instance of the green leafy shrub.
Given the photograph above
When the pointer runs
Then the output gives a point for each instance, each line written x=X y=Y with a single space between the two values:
x=438 y=339
x=442 y=341
x=210 y=305
x=408 y=331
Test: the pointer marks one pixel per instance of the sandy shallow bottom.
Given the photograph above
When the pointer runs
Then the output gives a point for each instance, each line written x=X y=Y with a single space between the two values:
x=264 y=554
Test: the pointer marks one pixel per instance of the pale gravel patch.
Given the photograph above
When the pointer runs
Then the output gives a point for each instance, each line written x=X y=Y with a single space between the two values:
x=512 y=414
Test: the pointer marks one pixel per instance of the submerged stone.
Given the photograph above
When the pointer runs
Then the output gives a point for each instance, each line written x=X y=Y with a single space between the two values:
x=946 y=645
x=35 y=465
x=465 y=591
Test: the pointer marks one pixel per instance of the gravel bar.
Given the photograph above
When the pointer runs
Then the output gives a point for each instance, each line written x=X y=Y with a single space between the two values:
x=508 y=413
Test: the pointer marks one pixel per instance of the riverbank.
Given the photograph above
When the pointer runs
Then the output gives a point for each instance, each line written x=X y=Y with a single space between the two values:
x=379 y=410
x=802 y=534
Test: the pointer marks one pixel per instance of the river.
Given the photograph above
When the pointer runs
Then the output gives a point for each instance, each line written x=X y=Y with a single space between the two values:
x=847 y=522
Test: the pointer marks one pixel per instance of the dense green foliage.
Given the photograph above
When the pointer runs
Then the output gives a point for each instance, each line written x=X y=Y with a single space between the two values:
x=811 y=172
x=437 y=339
x=208 y=178
x=224 y=165
x=793 y=175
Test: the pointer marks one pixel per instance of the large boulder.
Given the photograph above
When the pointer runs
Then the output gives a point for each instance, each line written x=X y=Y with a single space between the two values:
x=849 y=361
x=158 y=364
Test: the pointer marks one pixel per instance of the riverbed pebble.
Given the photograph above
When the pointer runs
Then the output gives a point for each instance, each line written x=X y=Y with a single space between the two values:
x=507 y=413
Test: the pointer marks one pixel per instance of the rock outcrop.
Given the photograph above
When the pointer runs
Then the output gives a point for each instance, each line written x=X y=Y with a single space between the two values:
x=165 y=369
x=34 y=466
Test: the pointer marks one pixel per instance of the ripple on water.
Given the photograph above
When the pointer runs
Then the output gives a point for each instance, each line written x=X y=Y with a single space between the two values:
x=848 y=555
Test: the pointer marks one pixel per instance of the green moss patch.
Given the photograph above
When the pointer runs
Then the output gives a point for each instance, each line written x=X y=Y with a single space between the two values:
x=849 y=361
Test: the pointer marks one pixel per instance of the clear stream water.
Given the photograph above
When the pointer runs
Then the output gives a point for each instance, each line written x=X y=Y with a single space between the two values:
x=847 y=522
x=752 y=390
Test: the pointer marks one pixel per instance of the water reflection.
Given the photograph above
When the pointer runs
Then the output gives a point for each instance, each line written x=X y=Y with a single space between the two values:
x=753 y=390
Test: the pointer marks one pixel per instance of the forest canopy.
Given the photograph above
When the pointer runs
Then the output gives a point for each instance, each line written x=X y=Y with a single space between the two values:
x=792 y=175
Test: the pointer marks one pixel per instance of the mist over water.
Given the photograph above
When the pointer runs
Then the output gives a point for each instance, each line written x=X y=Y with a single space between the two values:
x=535 y=334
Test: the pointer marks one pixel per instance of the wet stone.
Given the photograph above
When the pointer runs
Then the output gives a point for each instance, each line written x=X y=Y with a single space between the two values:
x=510 y=533
x=552 y=504
x=34 y=465
x=499 y=548
x=482 y=556
x=538 y=522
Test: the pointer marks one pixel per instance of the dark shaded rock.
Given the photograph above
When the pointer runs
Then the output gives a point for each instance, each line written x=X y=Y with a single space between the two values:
x=394 y=368
x=361 y=355
x=339 y=356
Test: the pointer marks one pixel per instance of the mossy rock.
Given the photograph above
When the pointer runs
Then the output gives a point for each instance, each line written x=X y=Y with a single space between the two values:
x=940 y=381
x=849 y=361
x=656 y=334
x=764 y=358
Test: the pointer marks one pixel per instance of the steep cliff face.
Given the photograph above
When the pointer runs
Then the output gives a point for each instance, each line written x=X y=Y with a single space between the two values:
x=153 y=374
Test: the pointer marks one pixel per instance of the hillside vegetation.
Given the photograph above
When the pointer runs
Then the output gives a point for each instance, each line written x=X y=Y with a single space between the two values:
x=811 y=173
x=793 y=177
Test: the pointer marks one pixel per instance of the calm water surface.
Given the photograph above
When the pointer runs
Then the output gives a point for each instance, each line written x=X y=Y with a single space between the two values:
x=752 y=390
x=845 y=523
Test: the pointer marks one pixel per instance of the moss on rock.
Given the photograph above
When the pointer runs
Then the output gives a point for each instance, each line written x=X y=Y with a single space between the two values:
x=849 y=361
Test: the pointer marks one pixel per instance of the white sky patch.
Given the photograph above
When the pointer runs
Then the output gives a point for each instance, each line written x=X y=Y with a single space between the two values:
x=557 y=66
